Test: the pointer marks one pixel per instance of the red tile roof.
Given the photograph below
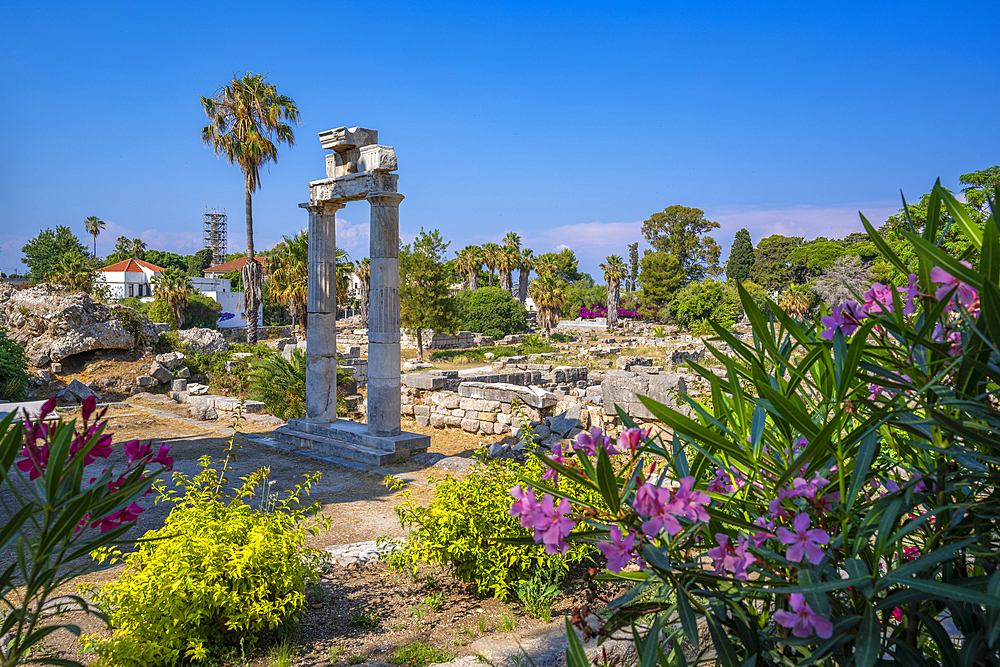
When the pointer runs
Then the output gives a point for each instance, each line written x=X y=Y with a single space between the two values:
x=232 y=265
x=133 y=266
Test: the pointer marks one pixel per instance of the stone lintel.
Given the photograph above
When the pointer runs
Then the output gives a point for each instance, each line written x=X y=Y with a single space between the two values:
x=345 y=138
x=353 y=187
x=355 y=433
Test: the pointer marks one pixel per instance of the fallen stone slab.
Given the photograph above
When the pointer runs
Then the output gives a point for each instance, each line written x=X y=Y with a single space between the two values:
x=161 y=373
x=358 y=554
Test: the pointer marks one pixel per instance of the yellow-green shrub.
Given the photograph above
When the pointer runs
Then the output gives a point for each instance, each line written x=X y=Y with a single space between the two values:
x=460 y=528
x=219 y=573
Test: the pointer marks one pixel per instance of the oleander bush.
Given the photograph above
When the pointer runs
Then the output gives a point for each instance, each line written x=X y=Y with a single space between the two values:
x=218 y=574
x=837 y=504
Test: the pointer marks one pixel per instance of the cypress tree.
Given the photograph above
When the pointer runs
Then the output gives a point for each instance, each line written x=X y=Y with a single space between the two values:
x=741 y=258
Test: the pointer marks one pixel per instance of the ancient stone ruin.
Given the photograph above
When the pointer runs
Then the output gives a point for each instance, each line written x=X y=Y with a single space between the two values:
x=357 y=168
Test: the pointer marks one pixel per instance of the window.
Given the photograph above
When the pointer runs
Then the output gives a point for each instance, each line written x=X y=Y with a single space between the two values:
x=131 y=290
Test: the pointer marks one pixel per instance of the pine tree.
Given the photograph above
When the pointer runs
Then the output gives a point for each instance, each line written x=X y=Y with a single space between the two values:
x=425 y=300
x=741 y=258
x=633 y=265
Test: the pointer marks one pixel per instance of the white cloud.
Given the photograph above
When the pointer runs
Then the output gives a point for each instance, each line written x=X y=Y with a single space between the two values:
x=806 y=221
x=353 y=237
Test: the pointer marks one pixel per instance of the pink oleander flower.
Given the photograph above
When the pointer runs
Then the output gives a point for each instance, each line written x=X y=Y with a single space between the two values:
x=524 y=505
x=803 y=542
x=828 y=502
x=654 y=502
x=551 y=526
x=802 y=488
x=726 y=481
x=763 y=535
x=591 y=442
x=878 y=299
x=731 y=559
x=135 y=450
x=802 y=620
x=846 y=316
x=631 y=438
x=162 y=458
x=690 y=503
x=618 y=550
x=965 y=294
x=774 y=507
x=557 y=457
x=877 y=390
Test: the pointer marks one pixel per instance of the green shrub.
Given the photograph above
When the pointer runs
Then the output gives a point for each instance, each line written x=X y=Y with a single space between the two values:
x=461 y=526
x=201 y=312
x=491 y=311
x=132 y=318
x=706 y=300
x=13 y=369
x=218 y=574
x=280 y=385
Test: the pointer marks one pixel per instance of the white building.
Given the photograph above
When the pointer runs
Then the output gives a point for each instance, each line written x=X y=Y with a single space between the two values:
x=131 y=277
x=134 y=277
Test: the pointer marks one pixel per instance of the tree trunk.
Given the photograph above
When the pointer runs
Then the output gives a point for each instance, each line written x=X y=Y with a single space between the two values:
x=420 y=345
x=474 y=279
x=522 y=285
x=505 y=280
x=251 y=301
x=613 y=299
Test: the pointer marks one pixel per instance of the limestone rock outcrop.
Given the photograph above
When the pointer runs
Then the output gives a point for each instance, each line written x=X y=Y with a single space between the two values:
x=205 y=341
x=51 y=323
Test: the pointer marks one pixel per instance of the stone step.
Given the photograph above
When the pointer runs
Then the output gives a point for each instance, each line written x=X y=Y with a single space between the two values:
x=344 y=430
x=339 y=449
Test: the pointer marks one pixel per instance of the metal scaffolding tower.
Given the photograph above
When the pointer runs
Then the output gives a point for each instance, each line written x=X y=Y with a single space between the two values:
x=214 y=222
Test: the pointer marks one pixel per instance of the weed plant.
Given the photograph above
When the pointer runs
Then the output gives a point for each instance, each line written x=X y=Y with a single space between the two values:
x=418 y=654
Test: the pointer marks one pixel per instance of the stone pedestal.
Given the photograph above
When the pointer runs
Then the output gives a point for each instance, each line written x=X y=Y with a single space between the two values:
x=383 y=316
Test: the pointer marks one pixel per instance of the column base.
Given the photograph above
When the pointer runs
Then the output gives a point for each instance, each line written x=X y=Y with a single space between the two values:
x=350 y=444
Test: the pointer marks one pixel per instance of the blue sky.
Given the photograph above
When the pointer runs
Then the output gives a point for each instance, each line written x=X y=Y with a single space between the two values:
x=569 y=123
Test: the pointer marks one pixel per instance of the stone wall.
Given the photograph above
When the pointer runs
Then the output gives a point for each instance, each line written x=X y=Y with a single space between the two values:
x=239 y=334
x=477 y=407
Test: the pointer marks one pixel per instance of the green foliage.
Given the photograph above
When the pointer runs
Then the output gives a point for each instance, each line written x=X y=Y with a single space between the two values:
x=165 y=259
x=562 y=264
x=418 y=654
x=491 y=311
x=706 y=300
x=43 y=252
x=809 y=260
x=771 y=270
x=280 y=384
x=741 y=258
x=583 y=292
x=681 y=232
x=531 y=345
x=364 y=619
x=461 y=526
x=660 y=277
x=979 y=185
x=218 y=573
x=200 y=311
x=758 y=294
x=633 y=266
x=198 y=262
x=13 y=369
x=538 y=593
x=133 y=320
x=425 y=300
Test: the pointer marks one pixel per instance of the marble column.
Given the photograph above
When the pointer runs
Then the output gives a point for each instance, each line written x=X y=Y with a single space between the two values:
x=321 y=351
x=383 y=316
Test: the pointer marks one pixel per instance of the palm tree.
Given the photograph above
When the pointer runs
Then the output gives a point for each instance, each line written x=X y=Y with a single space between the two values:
x=508 y=259
x=122 y=246
x=364 y=273
x=345 y=267
x=246 y=117
x=614 y=271
x=469 y=260
x=526 y=265
x=491 y=257
x=290 y=275
x=173 y=287
x=797 y=300
x=73 y=272
x=545 y=264
x=136 y=247
x=549 y=294
x=94 y=226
